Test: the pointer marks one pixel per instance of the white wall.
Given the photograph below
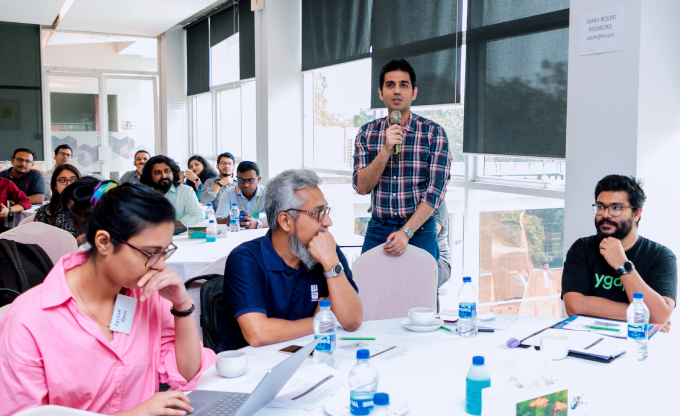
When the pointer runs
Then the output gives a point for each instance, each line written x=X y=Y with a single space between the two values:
x=95 y=55
x=174 y=122
x=622 y=116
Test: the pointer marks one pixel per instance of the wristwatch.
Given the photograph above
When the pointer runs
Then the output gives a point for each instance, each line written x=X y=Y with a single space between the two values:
x=408 y=231
x=334 y=271
x=259 y=224
x=626 y=267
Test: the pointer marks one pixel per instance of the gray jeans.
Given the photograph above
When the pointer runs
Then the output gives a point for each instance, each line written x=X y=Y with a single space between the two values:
x=443 y=276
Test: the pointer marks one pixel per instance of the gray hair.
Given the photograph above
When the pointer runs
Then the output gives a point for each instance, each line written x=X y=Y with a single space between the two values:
x=281 y=193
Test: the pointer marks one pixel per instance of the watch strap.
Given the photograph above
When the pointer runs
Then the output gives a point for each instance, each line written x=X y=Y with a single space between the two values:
x=183 y=313
x=332 y=273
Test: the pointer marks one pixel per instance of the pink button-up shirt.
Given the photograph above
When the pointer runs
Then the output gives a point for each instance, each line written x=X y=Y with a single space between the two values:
x=52 y=353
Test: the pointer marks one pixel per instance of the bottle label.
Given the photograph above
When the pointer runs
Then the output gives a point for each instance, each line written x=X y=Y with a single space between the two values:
x=637 y=331
x=360 y=407
x=467 y=310
x=327 y=343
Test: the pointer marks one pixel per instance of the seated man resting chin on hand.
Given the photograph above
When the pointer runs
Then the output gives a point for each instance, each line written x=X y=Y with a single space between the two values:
x=273 y=284
x=602 y=272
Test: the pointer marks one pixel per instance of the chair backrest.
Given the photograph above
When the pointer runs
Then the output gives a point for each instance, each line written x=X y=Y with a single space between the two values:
x=4 y=309
x=391 y=285
x=28 y=219
x=216 y=267
x=55 y=241
x=212 y=306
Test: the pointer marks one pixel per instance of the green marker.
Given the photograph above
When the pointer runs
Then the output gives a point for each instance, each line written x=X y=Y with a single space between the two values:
x=445 y=328
x=357 y=339
x=601 y=328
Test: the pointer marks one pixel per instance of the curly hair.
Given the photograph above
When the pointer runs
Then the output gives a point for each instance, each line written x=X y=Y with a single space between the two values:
x=147 y=179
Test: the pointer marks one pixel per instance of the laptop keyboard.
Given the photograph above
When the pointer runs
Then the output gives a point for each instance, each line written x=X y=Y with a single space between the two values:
x=227 y=405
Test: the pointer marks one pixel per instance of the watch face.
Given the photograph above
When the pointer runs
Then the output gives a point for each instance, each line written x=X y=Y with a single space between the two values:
x=337 y=269
x=628 y=267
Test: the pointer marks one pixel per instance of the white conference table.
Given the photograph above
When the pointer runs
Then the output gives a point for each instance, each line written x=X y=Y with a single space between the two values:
x=431 y=377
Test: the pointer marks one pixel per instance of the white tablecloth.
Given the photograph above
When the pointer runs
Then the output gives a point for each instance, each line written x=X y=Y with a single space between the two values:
x=432 y=377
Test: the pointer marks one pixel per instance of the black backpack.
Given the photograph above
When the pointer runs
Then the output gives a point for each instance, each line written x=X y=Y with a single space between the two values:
x=212 y=306
x=22 y=266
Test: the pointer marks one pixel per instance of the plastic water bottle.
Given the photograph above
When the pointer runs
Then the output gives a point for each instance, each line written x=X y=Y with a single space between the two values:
x=637 y=315
x=363 y=383
x=467 y=309
x=209 y=212
x=211 y=232
x=477 y=379
x=233 y=219
x=381 y=405
x=132 y=181
x=325 y=325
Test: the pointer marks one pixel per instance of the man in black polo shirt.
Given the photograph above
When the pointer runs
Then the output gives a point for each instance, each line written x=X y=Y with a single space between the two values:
x=602 y=272
x=28 y=181
x=273 y=284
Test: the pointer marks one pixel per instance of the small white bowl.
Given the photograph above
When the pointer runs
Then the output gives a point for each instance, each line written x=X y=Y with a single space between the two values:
x=232 y=363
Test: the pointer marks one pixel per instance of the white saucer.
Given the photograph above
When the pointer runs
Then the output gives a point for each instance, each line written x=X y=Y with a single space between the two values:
x=340 y=406
x=435 y=325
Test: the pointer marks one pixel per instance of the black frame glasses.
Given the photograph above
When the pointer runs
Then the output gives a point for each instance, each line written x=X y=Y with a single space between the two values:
x=320 y=215
x=62 y=154
x=598 y=209
x=152 y=258
x=250 y=181
x=65 y=181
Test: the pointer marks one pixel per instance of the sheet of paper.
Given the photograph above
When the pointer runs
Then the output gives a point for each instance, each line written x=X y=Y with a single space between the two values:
x=584 y=342
x=582 y=323
x=379 y=352
x=309 y=388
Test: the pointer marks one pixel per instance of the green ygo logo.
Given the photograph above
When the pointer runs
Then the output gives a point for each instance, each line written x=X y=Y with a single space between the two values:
x=608 y=282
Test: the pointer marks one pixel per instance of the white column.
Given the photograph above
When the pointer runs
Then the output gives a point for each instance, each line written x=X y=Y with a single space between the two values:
x=278 y=78
x=622 y=116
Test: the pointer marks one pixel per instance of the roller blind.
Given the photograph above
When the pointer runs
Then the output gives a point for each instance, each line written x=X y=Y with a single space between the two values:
x=516 y=78
x=246 y=29
x=335 y=32
x=222 y=25
x=198 y=58
x=428 y=35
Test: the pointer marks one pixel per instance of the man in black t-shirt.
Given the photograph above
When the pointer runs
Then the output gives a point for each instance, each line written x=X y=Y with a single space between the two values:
x=602 y=272
x=29 y=181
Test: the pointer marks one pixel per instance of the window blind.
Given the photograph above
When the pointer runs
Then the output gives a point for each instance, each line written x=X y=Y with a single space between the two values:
x=198 y=58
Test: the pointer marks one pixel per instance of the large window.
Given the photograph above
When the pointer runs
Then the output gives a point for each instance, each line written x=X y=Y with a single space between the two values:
x=547 y=173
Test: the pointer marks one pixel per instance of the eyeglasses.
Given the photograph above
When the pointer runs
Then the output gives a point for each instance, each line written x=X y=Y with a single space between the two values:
x=152 y=258
x=62 y=154
x=20 y=161
x=319 y=214
x=64 y=181
x=250 y=181
x=223 y=164
x=614 y=210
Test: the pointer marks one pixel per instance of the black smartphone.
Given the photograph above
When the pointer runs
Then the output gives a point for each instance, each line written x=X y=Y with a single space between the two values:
x=292 y=349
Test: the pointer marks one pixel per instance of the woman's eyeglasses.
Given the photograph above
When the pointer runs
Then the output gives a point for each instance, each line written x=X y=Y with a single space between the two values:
x=152 y=258
x=65 y=181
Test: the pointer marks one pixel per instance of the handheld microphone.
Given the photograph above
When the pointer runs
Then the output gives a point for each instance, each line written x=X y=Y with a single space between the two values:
x=395 y=118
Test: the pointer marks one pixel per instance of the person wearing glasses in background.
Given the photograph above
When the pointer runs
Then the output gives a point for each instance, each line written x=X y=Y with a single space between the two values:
x=249 y=197
x=64 y=342
x=141 y=157
x=213 y=188
x=53 y=213
x=29 y=181
x=62 y=155
x=602 y=271
x=273 y=284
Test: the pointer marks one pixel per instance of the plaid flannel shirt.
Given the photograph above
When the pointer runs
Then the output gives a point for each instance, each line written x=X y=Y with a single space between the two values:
x=419 y=175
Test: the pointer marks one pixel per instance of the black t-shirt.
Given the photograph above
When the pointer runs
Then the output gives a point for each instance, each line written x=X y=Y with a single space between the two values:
x=31 y=183
x=588 y=273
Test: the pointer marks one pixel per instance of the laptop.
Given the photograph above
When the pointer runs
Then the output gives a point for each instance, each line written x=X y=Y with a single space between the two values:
x=219 y=403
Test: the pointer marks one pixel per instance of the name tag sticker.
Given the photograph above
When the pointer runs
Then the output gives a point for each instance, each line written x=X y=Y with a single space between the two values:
x=123 y=314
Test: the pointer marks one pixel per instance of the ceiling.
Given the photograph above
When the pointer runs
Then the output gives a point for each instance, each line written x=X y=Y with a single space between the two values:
x=125 y=17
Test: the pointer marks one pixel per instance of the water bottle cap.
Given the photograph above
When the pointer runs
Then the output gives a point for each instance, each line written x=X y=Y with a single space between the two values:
x=467 y=279
x=478 y=360
x=212 y=222
x=381 y=399
x=233 y=204
x=209 y=204
x=363 y=354
x=325 y=303
x=638 y=295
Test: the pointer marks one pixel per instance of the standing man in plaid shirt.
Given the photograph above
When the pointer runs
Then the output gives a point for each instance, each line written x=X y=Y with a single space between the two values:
x=406 y=189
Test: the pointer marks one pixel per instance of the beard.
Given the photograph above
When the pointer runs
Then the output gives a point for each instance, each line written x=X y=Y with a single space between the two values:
x=621 y=230
x=301 y=251
x=163 y=185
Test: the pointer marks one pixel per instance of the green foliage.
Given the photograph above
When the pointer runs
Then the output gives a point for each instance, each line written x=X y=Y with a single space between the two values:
x=535 y=223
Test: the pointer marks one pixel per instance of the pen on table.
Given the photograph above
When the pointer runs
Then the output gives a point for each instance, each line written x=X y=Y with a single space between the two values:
x=594 y=343
x=356 y=339
x=445 y=328
x=478 y=329
x=601 y=328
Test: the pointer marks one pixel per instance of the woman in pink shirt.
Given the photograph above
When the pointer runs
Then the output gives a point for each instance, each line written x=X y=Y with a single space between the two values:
x=56 y=345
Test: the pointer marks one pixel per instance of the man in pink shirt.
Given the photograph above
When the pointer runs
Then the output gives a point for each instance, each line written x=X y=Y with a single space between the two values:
x=65 y=342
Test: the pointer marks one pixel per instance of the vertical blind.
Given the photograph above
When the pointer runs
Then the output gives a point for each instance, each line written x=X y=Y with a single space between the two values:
x=213 y=29
x=516 y=77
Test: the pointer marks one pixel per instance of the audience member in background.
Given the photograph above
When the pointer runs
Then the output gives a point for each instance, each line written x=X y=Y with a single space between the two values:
x=406 y=189
x=10 y=192
x=56 y=343
x=162 y=174
x=199 y=172
x=141 y=157
x=520 y=285
x=28 y=181
x=53 y=213
x=602 y=271
x=75 y=203
x=62 y=155
x=214 y=188
x=273 y=284
x=444 y=262
x=248 y=195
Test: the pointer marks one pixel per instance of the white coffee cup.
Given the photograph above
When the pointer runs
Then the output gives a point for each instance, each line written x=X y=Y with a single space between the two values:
x=232 y=363
x=421 y=316
x=555 y=346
